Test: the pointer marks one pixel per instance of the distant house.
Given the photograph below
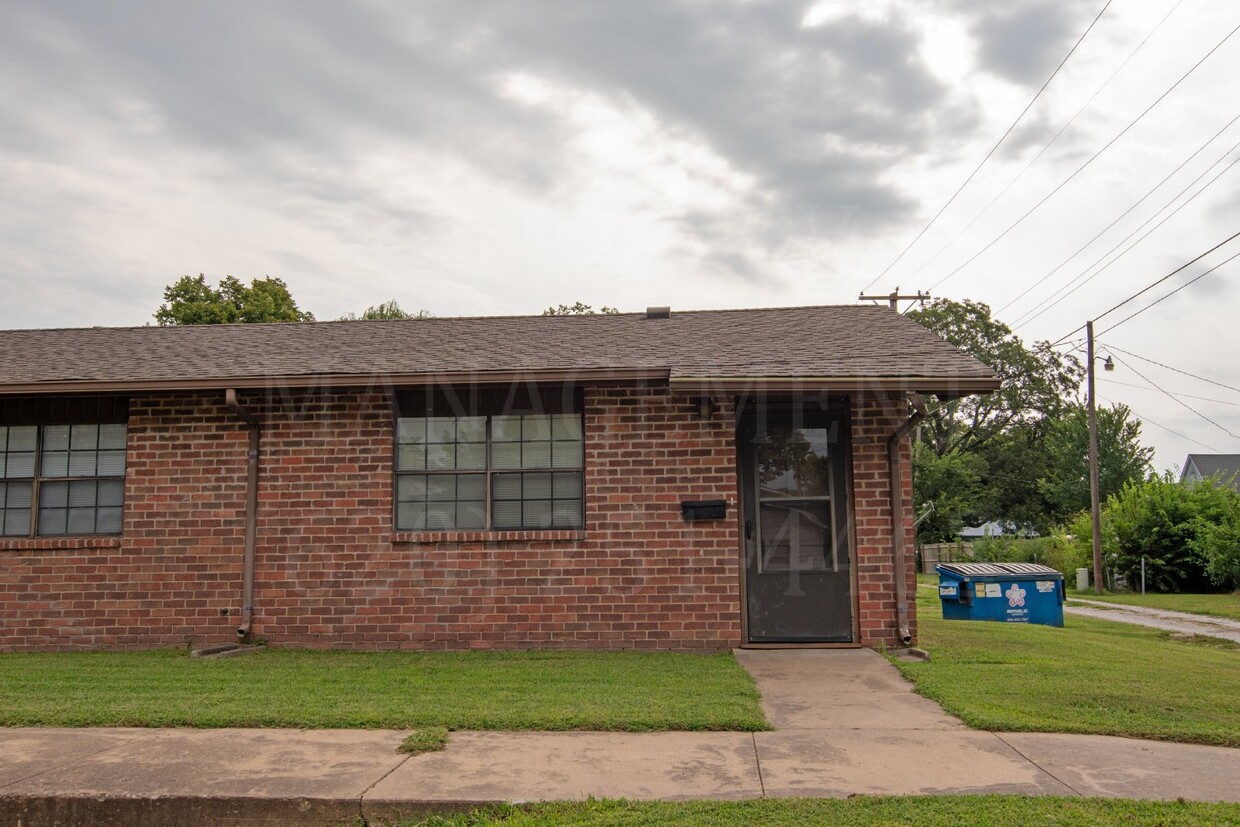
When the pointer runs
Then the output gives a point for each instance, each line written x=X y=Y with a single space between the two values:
x=991 y=529
x=1198 y=467
x=647 y=480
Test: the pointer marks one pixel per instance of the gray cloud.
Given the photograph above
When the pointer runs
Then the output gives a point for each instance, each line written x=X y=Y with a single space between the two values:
x=289 y=97
x=1023 y=40
x=814 y=116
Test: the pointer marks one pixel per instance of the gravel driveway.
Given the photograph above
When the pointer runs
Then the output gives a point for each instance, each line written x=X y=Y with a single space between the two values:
x=1182 y=622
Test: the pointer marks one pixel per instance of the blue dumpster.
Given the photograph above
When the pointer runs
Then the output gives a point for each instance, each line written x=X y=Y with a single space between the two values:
x=1005 y=592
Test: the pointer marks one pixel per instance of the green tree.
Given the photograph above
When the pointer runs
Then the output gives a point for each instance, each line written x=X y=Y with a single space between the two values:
x=1037 y=472
x=191 y=301
x=1015 y=463
x=387 y=310
x=1187 y=533
x=578 y=309
x=954 y=483
x=1122 y=459
x=1036 y=382
x=1001 y=432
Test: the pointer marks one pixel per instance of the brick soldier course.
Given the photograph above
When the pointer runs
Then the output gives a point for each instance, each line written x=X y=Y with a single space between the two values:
x=658 y=400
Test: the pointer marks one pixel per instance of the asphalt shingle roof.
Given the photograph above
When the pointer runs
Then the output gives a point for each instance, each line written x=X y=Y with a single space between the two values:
x=1225 y=465
x=825 y=341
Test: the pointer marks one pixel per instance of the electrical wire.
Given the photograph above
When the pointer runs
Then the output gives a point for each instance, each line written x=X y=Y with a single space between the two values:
x=1177 y=393
x=1176 y=399
x=1125 y=214
x=1089 y=161
x=1149 y=287
x=993 y=149
x=1170 y=368
x=1076 y=282
x=1161 y=299
x=1044 y=149
x=1164 y=427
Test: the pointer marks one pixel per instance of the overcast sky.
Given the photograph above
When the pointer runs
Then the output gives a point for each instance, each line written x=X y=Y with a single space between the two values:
x=498 y=157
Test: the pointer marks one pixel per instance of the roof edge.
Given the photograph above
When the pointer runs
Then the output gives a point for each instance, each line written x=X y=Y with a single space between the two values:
x=940 y=385
x=334 y=380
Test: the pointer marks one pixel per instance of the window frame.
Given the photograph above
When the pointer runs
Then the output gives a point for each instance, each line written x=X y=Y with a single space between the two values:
x=489 y=472
x=38 y=479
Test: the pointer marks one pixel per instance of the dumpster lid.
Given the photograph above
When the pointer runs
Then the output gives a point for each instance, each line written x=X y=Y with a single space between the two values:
x=998 y=569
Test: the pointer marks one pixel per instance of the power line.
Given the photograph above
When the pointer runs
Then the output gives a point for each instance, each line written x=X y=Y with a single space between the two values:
x=1177 y=399
x=1170 y=368
x=1125 y=214
x=1060 y=295
x=1047 y=146
x=1177 y=393
x=993 y=149
x=1091 y=159
x=1161 y=299
x=1147 y=288
x=1164 y=427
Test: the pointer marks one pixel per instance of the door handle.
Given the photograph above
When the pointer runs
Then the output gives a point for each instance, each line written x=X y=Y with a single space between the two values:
x=749 y=529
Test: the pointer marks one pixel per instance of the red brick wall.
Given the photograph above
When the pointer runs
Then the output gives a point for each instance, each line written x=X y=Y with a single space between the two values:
x=177 y=563
x=874 y=419
x=330 y=571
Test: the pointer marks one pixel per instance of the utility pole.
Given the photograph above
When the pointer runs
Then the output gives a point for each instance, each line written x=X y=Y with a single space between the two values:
x=894 y=298
x=1094 y=507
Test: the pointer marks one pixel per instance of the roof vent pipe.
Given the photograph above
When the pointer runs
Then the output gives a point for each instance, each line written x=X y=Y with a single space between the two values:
x=658 y=312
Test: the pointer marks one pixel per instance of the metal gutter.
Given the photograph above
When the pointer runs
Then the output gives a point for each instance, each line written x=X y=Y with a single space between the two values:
x=721 y=384
x=895 y=477
x=921 y=384
x=251 y=513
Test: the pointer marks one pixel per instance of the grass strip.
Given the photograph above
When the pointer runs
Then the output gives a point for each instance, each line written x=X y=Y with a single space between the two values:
x=858 y=811
x=1092 y=676
x=623 y=691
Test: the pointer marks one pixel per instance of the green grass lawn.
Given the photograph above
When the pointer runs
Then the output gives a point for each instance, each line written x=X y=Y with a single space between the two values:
x=314 y=689
x=860 y=811
x=1091 y=676
x=1219 y=605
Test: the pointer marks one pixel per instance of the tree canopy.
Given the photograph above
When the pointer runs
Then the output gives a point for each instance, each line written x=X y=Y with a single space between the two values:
x=1019 y=455
x=191 y=301
x=1036 y=382
x=386 y=310
x=578 y=309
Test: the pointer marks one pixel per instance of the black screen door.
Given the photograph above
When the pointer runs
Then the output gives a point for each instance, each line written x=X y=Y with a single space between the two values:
x=798 y=566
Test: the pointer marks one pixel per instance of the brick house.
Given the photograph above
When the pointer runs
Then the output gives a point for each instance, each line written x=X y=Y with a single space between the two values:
x=691 y=481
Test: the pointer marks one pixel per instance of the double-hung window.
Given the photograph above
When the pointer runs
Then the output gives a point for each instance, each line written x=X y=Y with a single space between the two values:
x=64 y=479
x=500 y=471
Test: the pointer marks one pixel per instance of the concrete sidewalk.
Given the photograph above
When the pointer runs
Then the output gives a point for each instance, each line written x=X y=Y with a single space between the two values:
x=846 y=723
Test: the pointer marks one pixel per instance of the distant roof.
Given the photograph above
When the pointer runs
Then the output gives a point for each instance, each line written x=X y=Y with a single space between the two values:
x=1208 y=465
x=849 y=346
x=990 y=529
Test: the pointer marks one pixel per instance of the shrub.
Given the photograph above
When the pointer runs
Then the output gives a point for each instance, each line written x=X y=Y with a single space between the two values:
x=1057 y=551
x=1218 y=543
x=1188 y=534
x=1062 y=552
x=994 y=549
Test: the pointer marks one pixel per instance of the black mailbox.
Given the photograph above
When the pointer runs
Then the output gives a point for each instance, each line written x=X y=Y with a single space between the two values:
x=694 y=510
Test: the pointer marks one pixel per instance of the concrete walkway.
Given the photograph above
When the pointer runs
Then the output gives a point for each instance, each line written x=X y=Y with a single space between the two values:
x=1182 y=622
x=846 y=723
